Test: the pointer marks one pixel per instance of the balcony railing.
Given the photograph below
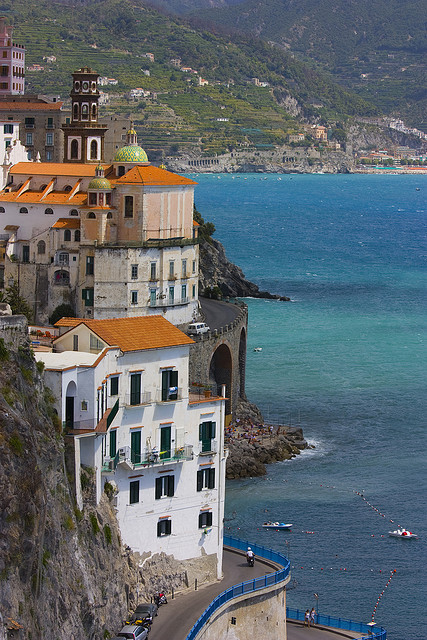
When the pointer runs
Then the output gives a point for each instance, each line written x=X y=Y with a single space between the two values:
x=147 y=458
x=170 y=395
x=136 y=400
x=248 y=587
x=167 y=302
x=208 y=447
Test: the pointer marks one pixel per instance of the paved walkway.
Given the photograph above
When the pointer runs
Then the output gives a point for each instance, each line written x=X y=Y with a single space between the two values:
x=176 y=618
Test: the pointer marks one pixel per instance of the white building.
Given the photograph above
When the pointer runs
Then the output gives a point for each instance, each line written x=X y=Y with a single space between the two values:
x=124 y=396
x=11 y=147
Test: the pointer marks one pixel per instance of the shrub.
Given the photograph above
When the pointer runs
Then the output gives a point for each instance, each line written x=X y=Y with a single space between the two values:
x=107 y=533
x=4 y=353
x=94 y=522
x=63 y=310
x=16 y=444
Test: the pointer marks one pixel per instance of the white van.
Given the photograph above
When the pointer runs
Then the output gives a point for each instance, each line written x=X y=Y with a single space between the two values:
x=196 y=328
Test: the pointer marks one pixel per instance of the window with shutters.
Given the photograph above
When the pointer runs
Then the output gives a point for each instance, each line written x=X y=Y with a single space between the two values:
x=134 y=491
x=90 y=263
x=113 y=443
x=205 y=519
x=165 y=487
x=164 y=528
x=169 y=385
x=114 y=385
x=165 y=442
x=206 y=435
x=135 y=388
x=135 y=447
x=205 y=479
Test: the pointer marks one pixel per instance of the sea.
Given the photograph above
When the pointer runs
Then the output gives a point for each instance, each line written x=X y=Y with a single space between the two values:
x=345 y=359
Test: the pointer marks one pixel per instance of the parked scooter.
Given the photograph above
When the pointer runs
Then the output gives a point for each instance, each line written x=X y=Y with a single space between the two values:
x=160 y=598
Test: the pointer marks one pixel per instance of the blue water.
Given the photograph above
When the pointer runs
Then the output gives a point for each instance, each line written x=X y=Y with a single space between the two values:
x=345 y=360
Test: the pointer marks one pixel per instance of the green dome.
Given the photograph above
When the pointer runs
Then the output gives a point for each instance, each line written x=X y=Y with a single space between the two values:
x=99 y=184
x=131 y=153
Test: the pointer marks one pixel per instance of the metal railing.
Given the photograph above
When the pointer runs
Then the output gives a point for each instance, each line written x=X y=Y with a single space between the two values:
x=372 y=633
x=147 y=458
x=135 y=400
x=244 y=587
x=167 y=302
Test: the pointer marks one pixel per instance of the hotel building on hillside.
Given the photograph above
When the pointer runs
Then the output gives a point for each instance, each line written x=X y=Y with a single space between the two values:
x=123 y=396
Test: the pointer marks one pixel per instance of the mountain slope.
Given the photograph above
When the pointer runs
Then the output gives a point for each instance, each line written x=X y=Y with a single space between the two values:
x=376 y=48
x=113 y=37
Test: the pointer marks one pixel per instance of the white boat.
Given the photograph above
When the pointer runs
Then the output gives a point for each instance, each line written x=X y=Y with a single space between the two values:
x=402 y=533
x=277 y=525
x=258 y=349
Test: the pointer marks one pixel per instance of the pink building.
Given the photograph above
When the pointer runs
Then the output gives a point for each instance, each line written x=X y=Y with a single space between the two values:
x=12 y=62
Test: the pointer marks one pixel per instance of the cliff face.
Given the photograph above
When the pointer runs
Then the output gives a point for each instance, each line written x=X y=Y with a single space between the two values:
x=217 y=271
x=64 y=573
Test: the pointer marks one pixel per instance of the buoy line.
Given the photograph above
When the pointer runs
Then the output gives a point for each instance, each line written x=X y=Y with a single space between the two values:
x=374 y=508
x=382 y=593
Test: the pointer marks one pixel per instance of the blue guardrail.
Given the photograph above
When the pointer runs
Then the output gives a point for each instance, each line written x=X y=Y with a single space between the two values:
x=244 y=587
x=375 y=633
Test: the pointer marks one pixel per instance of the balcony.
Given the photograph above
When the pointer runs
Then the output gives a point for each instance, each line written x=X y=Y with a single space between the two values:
x=148 y=458
x=166 y=302
x=137 y=400
x=208 y=447
x=171 y=395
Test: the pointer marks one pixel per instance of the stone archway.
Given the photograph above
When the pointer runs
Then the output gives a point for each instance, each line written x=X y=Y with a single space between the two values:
x=70 y=396
x=221 y=372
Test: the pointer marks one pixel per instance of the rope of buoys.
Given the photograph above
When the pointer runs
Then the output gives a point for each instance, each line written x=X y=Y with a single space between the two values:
x=381 y=594
x=374 y=508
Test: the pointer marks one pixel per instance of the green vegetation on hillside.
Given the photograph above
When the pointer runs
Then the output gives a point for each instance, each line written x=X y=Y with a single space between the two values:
x=113 y=36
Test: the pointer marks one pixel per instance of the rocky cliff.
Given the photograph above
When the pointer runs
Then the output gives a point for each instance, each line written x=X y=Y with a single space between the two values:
x=64 y=573
x=217 y=271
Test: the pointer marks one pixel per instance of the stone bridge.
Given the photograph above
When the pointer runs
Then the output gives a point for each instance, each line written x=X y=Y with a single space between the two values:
x=219 y=357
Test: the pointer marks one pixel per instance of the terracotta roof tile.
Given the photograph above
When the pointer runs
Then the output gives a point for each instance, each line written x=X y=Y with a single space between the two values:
x=153 y=176
x=133 y=334
x=67 y=223
x=52 y=198
x=30 y=106
x=55 y=169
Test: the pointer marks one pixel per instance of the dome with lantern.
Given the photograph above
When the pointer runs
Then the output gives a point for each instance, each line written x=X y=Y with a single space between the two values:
x=99 y=182
x=131 y=152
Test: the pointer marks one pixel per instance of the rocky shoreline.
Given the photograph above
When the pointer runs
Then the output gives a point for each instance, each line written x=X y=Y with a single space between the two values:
x=253 y=446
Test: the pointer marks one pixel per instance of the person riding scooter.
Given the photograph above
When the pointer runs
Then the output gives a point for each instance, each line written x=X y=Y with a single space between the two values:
x=250 y=557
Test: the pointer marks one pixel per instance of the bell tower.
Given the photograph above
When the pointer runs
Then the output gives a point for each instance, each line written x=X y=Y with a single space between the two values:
x=84 y=135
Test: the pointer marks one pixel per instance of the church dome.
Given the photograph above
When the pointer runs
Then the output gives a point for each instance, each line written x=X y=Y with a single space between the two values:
x=131 y=153
x=99 y=184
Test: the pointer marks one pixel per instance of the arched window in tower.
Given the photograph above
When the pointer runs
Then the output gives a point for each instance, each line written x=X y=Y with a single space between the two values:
x=94 y=150
x=77 y=235
x=91 y=215
x=94 y=112
x=41 y=247
x=92 y=199
x=128 y=206
x=67 y=235
x=74 y=150
x=76 y=111
x=85 y=112
x=109 y=215
x=121 y=171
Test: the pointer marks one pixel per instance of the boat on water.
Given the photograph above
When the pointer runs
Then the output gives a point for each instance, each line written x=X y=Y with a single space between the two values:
x=277 y=525
x=402 y=533
x=258 y=349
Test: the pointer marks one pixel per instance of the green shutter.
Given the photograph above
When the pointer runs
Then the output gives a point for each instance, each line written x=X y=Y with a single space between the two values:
x=170 y=485
x=165 y=385
x=135 y=388
x=113 y=443
x=200 y=480
x=135 y=447
x=211 y=478
x=159 y=485
x=165 y=442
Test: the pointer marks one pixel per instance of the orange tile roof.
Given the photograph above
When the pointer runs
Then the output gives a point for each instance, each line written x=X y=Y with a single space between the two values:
x=52 y=198
x=55 y=169
x=68 y=322
x=67 y=223
x=31 y=106
x=133 y=334
x=150 y=175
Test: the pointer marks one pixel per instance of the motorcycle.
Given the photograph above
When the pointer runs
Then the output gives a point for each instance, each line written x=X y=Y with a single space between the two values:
x=160 y=598
x=250 y=560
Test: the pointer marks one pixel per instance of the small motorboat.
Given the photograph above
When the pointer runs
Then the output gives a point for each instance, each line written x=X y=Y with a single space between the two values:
x=277 y=525
x=258 y=349
x=402 y=533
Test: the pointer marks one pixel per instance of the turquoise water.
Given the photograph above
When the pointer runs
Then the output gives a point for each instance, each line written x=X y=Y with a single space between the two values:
x=345 y=360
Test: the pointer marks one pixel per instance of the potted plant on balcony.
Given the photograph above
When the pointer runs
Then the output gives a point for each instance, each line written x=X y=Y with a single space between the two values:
x=207 y=392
